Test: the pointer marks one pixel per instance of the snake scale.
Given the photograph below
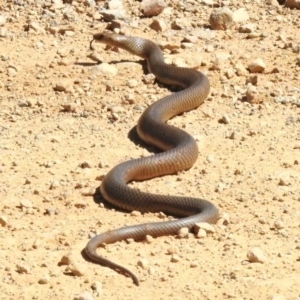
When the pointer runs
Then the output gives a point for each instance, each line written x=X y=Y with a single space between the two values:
x=179 y=152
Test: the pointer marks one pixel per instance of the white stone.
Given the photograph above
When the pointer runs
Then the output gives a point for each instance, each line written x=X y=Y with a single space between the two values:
x=256 y=255
x=240 y=15
x=257 y=66
x=105 y=68
x=183 y=232
x=83 y=296
x=205 y=226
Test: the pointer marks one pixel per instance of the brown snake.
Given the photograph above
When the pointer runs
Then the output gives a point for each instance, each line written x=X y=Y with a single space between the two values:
x=180 y=153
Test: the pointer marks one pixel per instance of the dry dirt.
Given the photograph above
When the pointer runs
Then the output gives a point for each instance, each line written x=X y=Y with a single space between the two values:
x=52 y=159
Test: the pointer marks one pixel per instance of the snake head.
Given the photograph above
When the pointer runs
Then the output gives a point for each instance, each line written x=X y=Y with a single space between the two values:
x=104 y=38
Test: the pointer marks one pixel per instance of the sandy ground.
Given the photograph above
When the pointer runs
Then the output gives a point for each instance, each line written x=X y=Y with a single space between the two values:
x=55 y=146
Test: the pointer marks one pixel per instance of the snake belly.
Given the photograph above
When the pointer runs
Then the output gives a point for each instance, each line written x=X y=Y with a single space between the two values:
x=179 y=152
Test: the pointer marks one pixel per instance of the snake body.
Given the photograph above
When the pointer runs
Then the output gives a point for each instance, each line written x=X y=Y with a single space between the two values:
x=180 y=151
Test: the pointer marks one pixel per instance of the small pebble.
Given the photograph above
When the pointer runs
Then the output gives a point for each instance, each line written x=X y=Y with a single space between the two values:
x=143 y=263
x=209 y=228
x=26 y=203
x=194 y=264
x=97 y=288
x=172 y=250
x=210 y=158
x=183 y=232
x=83 y=296
x=3 y=220
x=44 y=280
x=22 y=268
x=175 y=258
x=255 y=255
x=149 y=239
x=257 y=66
x=135 y=213
x=278 y=224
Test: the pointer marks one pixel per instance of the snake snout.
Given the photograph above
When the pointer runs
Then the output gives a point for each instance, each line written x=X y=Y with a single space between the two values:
x=100 y=38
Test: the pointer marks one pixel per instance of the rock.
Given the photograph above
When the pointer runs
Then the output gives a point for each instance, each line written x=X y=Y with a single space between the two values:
x=194 y=62
x=149 y=239
x=247 y=28
x=12 y=72
x=275 y=2
x=150 y=8
x=2 y=19
x=148 y=78
x=80 y=204
x=113 y=14
x=69 y=107
x=143 y=263
x=44 y=280
x=85 y=164
x=83 y=296
x=158 y=25
x=219 y=60
x=210 y=158
x=255 y=255
x=278 y=224
x=64 y=29
x=201 y=234
x=221 y=18
x=190 y=39
x=3 y=32
x=240 y=15
x=64 y=85
x=179 y=62
x=240 y=70
x=194 y=264
x=119 y=110
x=57 y=4
x=132 y=83
x=179 y=24
x=104 y=68
x=3 y=220
x=26 y=203
x=208 y=2
x=76 y=267
x=284 y=178
x=257 y=66
x=23 y=269
x=252 y=95
x=116 y=11
x=205 y=226
x=172 y=250
x=36 y=27
x=183 y=232
x=135 y=213
x=203 y=34
x=229 y=73
x=54 y=184
x=277 y=297
x=97 y=288
x=252 y=79
x=175 y=258
x=292 y=3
